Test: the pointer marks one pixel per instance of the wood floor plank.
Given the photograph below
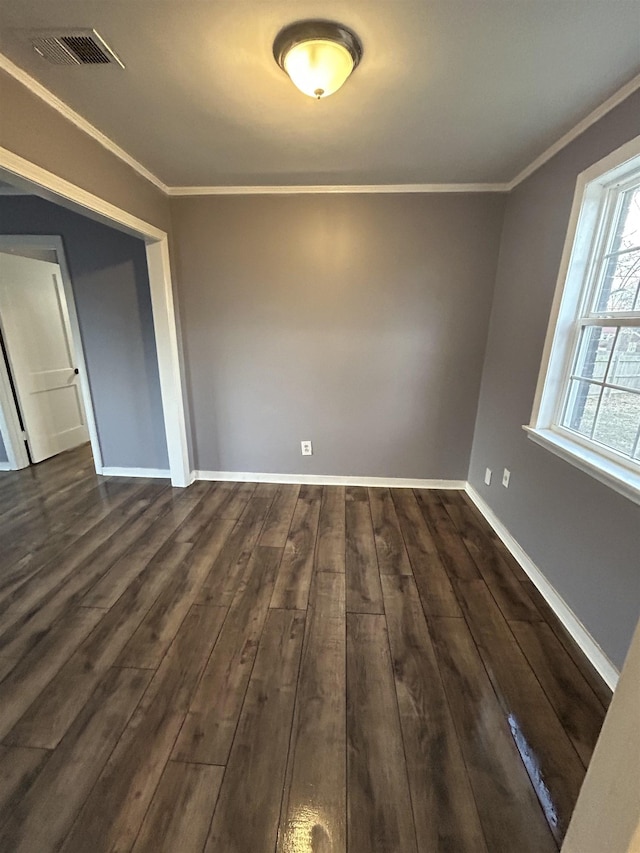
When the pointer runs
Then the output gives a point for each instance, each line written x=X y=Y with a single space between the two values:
x=237 y=501
x=54 y=547
x=486 y=530
x=392 y=554
x=44 y=815
x=291 y=590
x=221 y=584
x=266 y=490
x=152 y=638
x=597 y=684
x=48 y=518
x=432 y=580
x=555 y=769
x=182 y=513
x=57 y=706
x=364 y=594
x=451 y=548
x=65 y=586
x=510 y=813
x=18 y=769
x=208 y=730
x=356 y=493
x=181 y=810
x=446 y=817
x=218 y=495
x=6 y=665
x=21 y=589
x=41 y=497
x=330 y=548
x=379 y=814
x=213 y=496
x=313 y=815
x=31 y=675
x=310 y=492
x=510 y=595
x=575 y=704
x=278 y=520
x=452 y=497
x=256 y=768
x=112 y=815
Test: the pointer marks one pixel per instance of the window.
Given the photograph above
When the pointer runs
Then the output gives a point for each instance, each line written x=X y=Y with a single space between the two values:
x=587 y=406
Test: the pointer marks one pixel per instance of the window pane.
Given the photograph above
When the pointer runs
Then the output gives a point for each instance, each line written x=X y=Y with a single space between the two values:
x=619 y=285
x=618 y=420
x=625 y=364
x=627 y=233
x=582 y=404
x=594 y=351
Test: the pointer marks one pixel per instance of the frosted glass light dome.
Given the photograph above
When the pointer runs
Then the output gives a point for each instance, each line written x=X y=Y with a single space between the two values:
x=318 y=56
x=318 y=67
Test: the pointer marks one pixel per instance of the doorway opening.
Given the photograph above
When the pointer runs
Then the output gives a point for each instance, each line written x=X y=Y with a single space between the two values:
x=45 y=397
x=30 y=178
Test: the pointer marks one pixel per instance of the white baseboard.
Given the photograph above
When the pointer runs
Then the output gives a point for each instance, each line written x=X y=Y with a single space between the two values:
x=5 y=466
x=137 y=472
x=327 y=480
x=559 y=606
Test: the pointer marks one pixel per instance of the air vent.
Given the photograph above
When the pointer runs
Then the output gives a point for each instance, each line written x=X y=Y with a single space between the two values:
x=73 y=47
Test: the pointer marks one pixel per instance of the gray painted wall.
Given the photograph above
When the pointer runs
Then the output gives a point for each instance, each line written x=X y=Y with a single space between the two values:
x=111 y=287
x=356 y=321
x=583 y=536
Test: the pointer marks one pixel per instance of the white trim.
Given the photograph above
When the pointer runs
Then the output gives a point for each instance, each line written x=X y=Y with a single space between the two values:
x=594 y=116
x=567 y=617
x=314 y=189
x=5 y=466
x=326 y=480
x=164 y=317
x=55 y=242
x=71 y=115
x=169 y=357
x=618 y=477
x=154 y=473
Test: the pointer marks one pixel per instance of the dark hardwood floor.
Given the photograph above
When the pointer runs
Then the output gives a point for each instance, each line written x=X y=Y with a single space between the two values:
x=242 y=668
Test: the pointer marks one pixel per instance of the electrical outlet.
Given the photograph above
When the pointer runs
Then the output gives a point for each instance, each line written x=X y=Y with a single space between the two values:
x=306 y=448
x=506 y=476
x=487 y=476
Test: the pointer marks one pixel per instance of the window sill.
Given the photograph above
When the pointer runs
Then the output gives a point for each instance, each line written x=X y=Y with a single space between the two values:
x=612 y=474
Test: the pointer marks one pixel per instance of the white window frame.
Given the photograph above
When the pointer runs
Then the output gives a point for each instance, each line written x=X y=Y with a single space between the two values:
x=589 y=218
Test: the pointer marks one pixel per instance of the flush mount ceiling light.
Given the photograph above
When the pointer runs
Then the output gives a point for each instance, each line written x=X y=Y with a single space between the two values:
x=318 y=56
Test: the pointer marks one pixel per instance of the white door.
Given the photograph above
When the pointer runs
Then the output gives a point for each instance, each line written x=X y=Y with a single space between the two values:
x=37 y=335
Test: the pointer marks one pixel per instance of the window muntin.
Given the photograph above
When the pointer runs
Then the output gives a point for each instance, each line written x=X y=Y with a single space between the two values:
x=600 y=400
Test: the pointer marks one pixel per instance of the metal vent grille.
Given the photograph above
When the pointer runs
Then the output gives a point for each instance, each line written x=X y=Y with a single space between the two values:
x=76 y=47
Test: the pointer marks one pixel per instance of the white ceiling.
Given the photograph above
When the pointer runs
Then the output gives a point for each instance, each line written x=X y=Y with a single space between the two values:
x=447 y=91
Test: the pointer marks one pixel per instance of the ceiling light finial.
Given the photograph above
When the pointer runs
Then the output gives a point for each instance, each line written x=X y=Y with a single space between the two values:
x=318 y=56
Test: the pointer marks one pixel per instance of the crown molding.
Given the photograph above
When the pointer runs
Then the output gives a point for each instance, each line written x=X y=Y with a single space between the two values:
x=315 y=189
x=71 y=115
x=599 y=112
